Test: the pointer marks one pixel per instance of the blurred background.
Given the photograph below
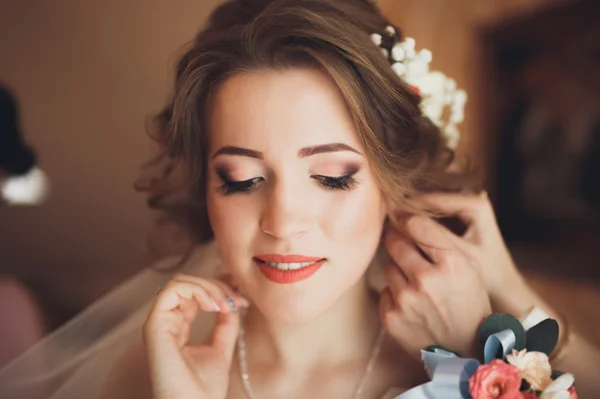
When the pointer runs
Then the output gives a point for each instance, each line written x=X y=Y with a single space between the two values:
x=87 y=75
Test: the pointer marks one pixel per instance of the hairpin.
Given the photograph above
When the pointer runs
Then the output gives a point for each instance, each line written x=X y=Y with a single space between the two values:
x=438 y=92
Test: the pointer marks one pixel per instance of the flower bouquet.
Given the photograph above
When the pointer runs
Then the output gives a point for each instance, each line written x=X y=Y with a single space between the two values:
x=515 y=364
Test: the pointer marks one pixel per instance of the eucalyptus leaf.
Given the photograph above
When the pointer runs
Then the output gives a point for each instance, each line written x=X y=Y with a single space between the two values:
x=497 y=322
x=542 y=337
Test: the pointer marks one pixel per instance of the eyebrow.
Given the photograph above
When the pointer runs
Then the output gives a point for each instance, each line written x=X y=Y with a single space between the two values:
x=245 y=152
x=325 y=148
x=303 y=153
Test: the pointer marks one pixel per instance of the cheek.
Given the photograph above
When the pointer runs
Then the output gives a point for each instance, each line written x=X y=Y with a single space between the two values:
x=355 y=216
x=233 y=221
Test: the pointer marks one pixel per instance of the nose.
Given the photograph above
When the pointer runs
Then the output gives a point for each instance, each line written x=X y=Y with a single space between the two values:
x=286 y=214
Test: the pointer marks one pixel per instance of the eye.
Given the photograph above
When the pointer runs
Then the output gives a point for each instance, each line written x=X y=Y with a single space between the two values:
x=347 y=182
x=231 y=187
x=234 y=187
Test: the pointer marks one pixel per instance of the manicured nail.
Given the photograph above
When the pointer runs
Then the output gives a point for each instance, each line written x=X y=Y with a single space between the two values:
x=215 y=306
x=243 y=300
x=231 y=303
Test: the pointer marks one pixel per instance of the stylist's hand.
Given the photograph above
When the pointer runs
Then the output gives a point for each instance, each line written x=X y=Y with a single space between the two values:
x=179 y=370
x=436 y=299
x=482 y=240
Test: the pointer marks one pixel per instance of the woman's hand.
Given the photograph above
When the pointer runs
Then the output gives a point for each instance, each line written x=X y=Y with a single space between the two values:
x=177 y=369
x=484 y=246
x=435 y=294
x=482 y=240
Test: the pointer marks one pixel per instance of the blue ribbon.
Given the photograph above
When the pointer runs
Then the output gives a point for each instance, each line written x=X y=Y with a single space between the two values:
x=450 y=374
x=501 y=342
x=449 y=377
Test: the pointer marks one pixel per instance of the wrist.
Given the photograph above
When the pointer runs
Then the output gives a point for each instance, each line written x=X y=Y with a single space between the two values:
x=499 y=282
x=514 y=296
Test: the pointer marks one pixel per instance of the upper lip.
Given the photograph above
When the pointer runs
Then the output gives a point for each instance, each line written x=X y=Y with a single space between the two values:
x=287 y=258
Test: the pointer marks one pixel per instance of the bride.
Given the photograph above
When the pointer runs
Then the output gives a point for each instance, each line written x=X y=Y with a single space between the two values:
x=306 y=129
x=302 y=140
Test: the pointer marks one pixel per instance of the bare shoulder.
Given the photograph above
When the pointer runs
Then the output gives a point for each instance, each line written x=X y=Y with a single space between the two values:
x=129 y=377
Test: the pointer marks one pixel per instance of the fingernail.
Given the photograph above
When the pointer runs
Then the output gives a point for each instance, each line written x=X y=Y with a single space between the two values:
x=215 y=306
x=231 y=303
x=244 y=301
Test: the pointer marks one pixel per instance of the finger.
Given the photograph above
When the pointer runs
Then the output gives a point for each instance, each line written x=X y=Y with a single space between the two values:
x=432 y=238
x=225 y=334
x=386 y=311
x=189 y=309
x=238 y=300
x=396 y=280
x=176 y=292
x=386 y=304
x=173 y=294
x=469 y=208
x=217 y=295
x=405 y=255
x=233 y=298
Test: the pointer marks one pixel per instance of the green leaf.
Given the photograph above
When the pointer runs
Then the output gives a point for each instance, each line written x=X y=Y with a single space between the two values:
x=497 y=322
x=542 y=337
x=555 y=374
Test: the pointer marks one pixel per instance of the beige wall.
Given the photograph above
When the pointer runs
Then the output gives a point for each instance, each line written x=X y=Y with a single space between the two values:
x=87 y=73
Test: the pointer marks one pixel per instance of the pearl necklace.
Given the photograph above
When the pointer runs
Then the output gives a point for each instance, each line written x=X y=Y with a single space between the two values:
x=246 y=378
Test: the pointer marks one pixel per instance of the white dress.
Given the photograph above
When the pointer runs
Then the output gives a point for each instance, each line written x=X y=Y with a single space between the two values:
x=77 y=360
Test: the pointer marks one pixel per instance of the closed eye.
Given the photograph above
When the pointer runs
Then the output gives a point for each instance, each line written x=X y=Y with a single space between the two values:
x=246 y=186
x=347 y=182
x=230 y=186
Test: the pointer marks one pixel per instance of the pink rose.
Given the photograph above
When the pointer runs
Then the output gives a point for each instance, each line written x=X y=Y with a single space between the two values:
x=496 y=380
x=573 y=392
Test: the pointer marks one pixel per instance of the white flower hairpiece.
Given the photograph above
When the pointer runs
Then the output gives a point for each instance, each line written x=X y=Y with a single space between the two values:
x=438 y=92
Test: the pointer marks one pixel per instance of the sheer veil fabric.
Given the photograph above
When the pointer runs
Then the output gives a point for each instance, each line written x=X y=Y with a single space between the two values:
x=76 y=360
x=79 y=359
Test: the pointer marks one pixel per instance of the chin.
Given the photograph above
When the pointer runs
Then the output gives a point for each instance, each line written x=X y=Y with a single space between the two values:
x=292 y=308
x=297 y=302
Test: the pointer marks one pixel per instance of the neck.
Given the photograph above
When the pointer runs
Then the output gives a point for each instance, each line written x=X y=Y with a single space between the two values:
x=345 y=331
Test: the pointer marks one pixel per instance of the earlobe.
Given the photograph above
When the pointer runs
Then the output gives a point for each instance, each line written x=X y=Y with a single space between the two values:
x=395 y=212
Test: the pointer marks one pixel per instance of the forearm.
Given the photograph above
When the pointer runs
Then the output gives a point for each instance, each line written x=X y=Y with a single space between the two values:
x=579 y=356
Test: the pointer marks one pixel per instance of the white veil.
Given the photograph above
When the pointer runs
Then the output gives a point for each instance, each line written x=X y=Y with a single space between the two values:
x=77 y=360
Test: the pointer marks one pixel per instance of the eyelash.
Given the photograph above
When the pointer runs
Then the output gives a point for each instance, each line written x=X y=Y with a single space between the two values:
x=347 y=182
x=244 y=187
x=230 y=187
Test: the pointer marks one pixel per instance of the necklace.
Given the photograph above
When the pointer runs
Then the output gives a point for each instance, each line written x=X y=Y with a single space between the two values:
x=246 y=378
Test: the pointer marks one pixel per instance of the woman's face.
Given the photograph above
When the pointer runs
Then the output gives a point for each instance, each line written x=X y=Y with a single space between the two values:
x=295 y=209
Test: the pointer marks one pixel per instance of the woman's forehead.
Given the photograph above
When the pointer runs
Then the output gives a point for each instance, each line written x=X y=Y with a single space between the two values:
x=292 y=108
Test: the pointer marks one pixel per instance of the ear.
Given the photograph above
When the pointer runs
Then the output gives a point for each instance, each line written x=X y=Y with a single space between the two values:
x=395 y=211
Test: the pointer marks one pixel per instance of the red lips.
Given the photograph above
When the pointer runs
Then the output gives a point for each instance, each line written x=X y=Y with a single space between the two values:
x=287 y=258
x=288 y=276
